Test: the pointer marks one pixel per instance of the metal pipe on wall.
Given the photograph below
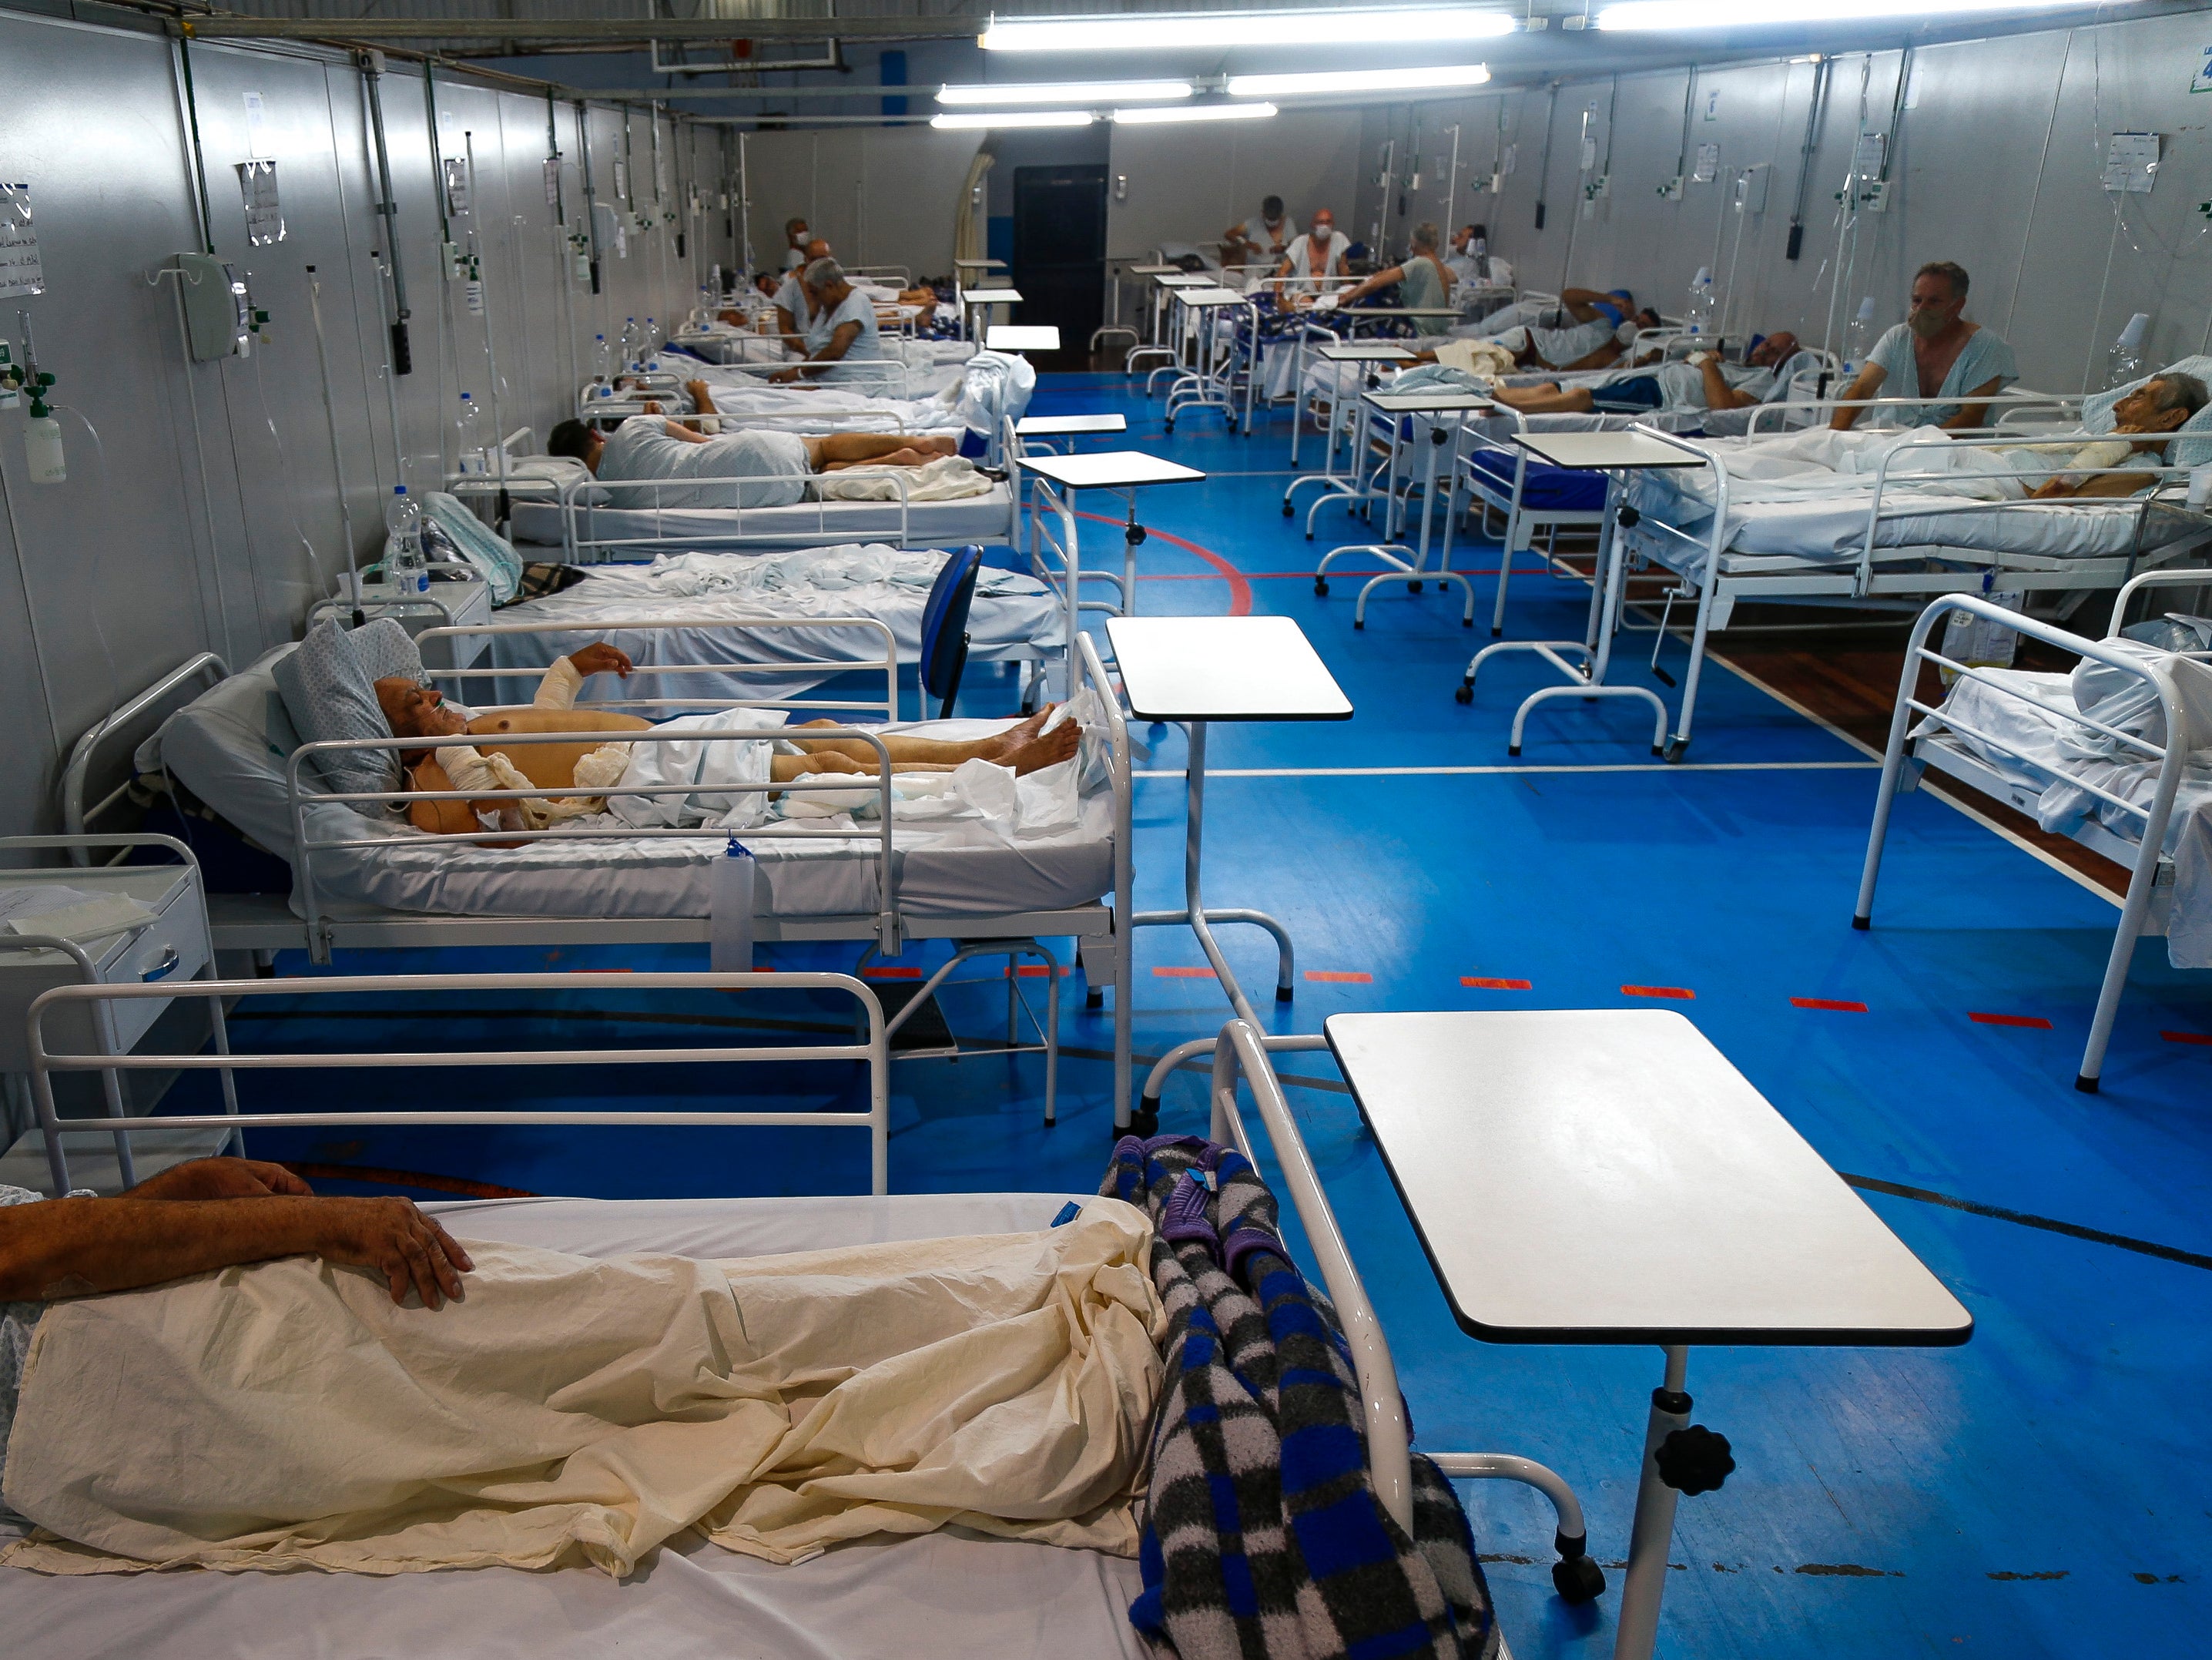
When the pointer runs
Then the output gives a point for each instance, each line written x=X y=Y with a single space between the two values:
x=402 y=356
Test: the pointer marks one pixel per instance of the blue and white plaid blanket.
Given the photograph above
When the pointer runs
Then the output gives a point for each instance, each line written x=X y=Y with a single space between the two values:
x=1263 y=1537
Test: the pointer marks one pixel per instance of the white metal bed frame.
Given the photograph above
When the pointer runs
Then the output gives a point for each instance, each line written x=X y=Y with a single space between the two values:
x=263 y=924
x=1878 y=576
x=2150 y=868
x=1239 y=1056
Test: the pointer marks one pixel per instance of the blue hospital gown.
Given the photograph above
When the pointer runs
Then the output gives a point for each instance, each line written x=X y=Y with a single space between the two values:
x=1984 y=357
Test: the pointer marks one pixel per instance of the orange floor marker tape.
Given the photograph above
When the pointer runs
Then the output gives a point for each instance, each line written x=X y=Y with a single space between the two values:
x=1493 y=985
x=1682 y=991
x=1340 y=977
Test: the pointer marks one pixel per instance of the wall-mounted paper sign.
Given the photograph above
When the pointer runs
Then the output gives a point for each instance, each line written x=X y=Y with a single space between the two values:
x=265 y=219
x=457 y=185
x=256 y=117
x=21 y=272
x=2202 y=81
x=1709 y=164
x=2131 y=162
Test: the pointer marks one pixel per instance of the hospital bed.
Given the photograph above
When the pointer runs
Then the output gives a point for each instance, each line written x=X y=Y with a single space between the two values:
x=2017 y=737
x=941 y=1595
x=1890 y=545
x=364 y=883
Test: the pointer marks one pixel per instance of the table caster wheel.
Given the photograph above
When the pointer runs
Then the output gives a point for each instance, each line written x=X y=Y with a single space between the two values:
x=1145 y=1122
x=1412 y=587
x=1287 y=509
x=1282 y=994
x=1513 y=749
x=1467 y=622
x=1094 y=999
x=1462 y=694
x=1321 y=585
x=1308 y=536
x=1170 y=428
x=1579 y=1579
x=1359 y=623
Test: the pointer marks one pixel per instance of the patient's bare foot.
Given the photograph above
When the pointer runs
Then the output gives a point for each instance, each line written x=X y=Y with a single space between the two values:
x=1045 y=750
x=939 y=445
x=1014 y=736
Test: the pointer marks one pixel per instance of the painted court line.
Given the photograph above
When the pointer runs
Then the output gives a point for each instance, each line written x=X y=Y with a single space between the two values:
x=2034 y=1022
x=891 y=974
x=1840 y=1005
x=2204 y=1038
x=1682 y=993
x=1484 y=772
x=1340 y=977
x=1485 y=984
x=1182 y=974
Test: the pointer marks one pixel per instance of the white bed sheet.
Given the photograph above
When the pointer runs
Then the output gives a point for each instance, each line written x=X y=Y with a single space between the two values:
x=987 y=518
x=946 y=1595
x=1014 y=618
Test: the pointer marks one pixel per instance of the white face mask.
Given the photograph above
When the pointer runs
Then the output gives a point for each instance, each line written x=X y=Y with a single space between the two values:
x=1626 y=333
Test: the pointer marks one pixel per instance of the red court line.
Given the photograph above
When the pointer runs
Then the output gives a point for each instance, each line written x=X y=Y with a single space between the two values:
x=1682 y=991
x=1035 y=971
x=603 y=970
x=1493 y=985
x=1840 y=1005
x=1340 y=977
x=2035 y=1022
x=1182 y=974
x=1240 y=589
x=2204 y=1038
x=891 y=974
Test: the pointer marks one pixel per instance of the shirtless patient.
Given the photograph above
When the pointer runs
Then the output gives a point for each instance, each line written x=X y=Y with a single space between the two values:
x=414 y=711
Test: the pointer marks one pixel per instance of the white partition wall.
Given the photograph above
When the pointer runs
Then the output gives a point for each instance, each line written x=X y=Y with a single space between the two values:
x=1188 y=183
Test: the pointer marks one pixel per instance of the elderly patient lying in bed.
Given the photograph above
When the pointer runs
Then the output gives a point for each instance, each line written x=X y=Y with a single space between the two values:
x=248 y=1377
x=416 y=711
x=770 y=469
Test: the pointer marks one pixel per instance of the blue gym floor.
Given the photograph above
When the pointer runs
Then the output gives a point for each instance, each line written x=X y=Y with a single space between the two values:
x=2043 y=1491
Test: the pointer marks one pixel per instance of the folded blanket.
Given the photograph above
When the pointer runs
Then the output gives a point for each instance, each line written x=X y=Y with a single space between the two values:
x=1263 y=1536
x=289 y=1415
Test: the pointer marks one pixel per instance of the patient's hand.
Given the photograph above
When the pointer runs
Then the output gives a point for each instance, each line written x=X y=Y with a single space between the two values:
x=601 y=658
x=220 y=1178
x=409 y=1248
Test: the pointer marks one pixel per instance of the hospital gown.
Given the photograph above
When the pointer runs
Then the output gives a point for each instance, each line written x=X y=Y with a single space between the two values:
x=856 y=366
x=772 y=467
x=1984 y=358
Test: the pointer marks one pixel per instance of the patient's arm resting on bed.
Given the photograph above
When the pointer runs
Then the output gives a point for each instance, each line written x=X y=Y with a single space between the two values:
x=61 y=1248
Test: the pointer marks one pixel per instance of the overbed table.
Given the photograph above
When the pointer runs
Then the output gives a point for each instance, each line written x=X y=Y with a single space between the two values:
x=974 y=300
x=1022 y=336
x=1618 y=455
x=1061 y=477
x=1069 y=427
x=1431 y=405
x=1198 y=670
x=1211 y=380
x=1340 y=351
x=1607 y=1177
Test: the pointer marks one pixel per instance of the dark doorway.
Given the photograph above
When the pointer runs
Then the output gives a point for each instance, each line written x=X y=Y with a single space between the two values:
x=1058 y=261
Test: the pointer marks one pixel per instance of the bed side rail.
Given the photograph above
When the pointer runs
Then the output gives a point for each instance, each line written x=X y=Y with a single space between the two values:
x=581 y=548
x=874 y=1051
x=131 y=722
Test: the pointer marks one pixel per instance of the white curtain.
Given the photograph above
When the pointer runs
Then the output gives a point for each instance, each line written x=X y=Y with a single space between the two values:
x=967 y=226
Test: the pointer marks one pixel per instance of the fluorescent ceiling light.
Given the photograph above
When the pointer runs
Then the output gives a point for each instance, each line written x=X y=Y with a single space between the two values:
x=1159 y=113
x=1269 y=86
x=1067 y=92
x=1131 y=32
x=1753 y=14
x=1015 y=118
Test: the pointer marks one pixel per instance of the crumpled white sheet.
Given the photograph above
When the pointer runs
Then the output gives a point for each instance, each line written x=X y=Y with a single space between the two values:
x=849 y=565
x=948 y=479
x=715 y=762
x=289 y=1415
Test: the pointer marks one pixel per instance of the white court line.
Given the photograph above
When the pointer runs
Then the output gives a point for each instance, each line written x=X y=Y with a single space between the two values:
x=1948 y=800
x=1485 y=772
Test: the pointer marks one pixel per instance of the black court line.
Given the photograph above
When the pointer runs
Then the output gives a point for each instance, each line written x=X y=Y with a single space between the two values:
x=1335 y=1085
x=2071 y=1230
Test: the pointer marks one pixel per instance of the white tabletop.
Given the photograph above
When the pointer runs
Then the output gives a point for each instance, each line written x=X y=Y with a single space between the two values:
x=1399 y=311
x=1222 y=668
x=1111 y=470
x=1184 y=279
x=1605 y=451
x=1210 y=296
x=1607 y=1177
x=993 y=297
x=1022 y=336
x=1065 y=426
x=1153 y=270
x=983 y=264
x=1426 y=400
x=1365 y=351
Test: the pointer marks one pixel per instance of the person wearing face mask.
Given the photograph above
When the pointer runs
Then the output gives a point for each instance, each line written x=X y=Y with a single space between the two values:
x=1934 y=354
x=1316 y=257
x=1471 y=261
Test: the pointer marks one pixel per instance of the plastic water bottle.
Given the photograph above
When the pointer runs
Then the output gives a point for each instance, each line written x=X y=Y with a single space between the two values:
x=729 y=916
x=1858 y=339
x=1699 y=314
x=2123 y=363
x=468 y=432
x=404 y=567
x=42 y=445
x=629 y=342
x=605 y=361
x=652 y=336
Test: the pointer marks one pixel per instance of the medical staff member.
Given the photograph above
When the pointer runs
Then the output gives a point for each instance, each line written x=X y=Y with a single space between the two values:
x=1934 y=354
x=1242 y=244
x=795 y=241
x=842 y=339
